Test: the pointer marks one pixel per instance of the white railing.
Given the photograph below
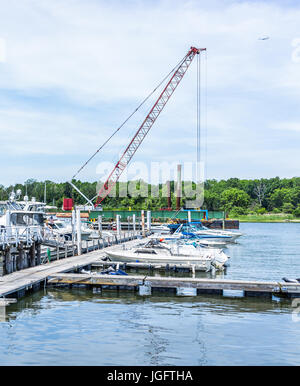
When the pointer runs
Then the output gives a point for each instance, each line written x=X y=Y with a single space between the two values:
x=54 y=235
x=14 y=235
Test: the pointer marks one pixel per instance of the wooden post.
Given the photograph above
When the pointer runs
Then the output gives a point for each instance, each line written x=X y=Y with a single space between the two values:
x=73 y=222
x=78 y=232
x=118 y=217
x=8 y=268
x=149 y=220
x=13 y=263
x=32 y=255
x=133 y=223
x=189 y=216
x=143 y=222
x=2 y=266
x=38 y=254
x=100 y=226
x=26 y=259
x=20 y=258
x=178 y=194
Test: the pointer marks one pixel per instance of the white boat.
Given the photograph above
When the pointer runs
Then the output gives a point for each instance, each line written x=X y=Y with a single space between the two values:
x=59 y=228
x=185 y=231
x=203 y=242
x=199 y=231
x=20 y=222
x=64 y=229
x=202 y=230
x=160 y=252
x=160 y=228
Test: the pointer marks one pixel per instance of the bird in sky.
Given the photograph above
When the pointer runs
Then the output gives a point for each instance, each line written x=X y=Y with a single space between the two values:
x=264 y=38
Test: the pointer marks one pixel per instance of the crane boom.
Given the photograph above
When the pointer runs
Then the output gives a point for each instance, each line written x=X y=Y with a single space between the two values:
x=147 y=124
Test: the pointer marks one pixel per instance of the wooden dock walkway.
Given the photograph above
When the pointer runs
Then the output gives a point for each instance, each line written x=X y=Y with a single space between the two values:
x=65 y=272
x=17 y=283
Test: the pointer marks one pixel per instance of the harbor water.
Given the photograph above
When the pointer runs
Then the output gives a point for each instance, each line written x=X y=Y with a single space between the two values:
x=59 y=326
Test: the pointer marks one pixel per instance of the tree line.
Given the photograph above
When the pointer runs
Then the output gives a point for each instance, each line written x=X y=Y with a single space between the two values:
x=235 y=196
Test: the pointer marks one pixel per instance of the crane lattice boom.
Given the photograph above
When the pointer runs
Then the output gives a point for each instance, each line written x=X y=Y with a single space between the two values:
x=147 y=124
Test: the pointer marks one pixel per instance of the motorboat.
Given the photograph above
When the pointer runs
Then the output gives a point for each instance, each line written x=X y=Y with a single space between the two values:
x=20 y=222
x=203 y=242
x=58 y=228
x=186 y=231
x=155 y=251
x=160 y=229
x=64 y=229
x=199 y=229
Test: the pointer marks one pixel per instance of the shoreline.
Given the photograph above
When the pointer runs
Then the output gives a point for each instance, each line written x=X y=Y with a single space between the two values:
x=266 y=220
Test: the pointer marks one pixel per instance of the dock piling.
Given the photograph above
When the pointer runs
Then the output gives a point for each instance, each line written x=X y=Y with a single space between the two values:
x=100 y=226
x=143 y=222
x=78 y=232
x=149 y=220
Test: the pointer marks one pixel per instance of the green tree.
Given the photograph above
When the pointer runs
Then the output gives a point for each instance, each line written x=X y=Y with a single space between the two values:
x=288 y=207
x=212 y=200
x=296 y=212
x=234 y=197
x=280 y=197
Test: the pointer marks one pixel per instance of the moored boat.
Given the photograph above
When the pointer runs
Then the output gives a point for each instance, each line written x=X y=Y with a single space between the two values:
x=159 y=252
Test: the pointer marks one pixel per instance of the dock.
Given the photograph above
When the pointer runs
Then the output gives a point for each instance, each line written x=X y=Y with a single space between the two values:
x=17 y=283
x=176 y=284
x=66 y=272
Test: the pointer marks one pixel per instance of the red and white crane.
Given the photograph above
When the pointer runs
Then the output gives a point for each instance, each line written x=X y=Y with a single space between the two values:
x=147 y=124
x=143 y=130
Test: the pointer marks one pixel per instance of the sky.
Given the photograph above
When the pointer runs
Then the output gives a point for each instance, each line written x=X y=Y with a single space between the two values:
x=71 y=71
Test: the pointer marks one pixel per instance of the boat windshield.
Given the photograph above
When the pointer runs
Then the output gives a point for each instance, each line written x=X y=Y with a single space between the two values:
x=25 y=219
x=189 y=229
x=150 y=251
x=199 y=226
x=2 y=210
x=59 y=225
x=179 y=229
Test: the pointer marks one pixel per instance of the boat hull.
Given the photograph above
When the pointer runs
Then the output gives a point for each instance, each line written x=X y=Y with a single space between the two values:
x=127 y=256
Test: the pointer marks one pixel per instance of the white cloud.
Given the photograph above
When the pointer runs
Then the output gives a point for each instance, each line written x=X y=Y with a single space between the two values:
x=289 y=126
x=95 y=51
x=107 y=56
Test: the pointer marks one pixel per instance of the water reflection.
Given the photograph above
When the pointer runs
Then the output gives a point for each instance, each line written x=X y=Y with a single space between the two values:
x=51 y=298
x=82 y=327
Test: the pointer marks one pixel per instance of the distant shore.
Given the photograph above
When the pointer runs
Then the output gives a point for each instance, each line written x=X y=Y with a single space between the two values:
x=269 y=217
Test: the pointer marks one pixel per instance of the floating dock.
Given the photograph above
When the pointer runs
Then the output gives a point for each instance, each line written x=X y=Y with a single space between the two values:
x=176 y=285
x=66 y=272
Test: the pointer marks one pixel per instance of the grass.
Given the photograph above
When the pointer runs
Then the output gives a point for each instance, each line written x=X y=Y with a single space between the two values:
x=267 y=217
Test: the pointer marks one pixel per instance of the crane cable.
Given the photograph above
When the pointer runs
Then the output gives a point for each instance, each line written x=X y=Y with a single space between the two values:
x=205 y=117
x=198 y=124
x=198 y=120
x=127 y=119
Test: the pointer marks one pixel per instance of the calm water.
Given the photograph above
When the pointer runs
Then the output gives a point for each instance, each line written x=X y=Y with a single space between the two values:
x=79 y=327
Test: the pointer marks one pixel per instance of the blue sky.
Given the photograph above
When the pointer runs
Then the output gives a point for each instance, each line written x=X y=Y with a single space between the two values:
x=74 y=70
